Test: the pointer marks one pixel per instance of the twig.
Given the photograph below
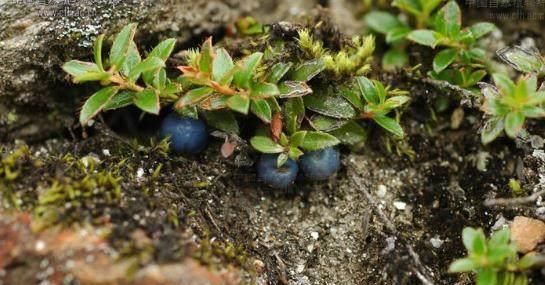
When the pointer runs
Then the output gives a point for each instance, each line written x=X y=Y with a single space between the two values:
x=513 y=201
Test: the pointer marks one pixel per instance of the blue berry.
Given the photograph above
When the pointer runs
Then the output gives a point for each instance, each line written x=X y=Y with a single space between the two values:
x=321 y=164
x=187 y=135
x=270 y=174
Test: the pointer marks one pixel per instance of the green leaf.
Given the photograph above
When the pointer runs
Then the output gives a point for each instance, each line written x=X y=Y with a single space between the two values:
x=266 y=145
x=353 y=95
x=281 y=159
x=329 y=105
x=84 y=71
x=295 y=153
x=132 y=59
x=243 y=77
x=504 y=83
x=411 y=6
x=222 y=67
x=382 y=22
x=149 y=64
x=443 y=59
x=513 y=123
x=390 y=125
x=206 y=56
x=278 y=71
x=397 y=34
x=425 y=37
x=368 y=90
x=394 y=58
x=294 y=112
x=120 y=100
x=223 y=120
x=96 y=103
x=452 y=17
x=533 y=112
x=307 y=70
x=463 y=265
x=350 y=134
x=298 y=138
x=474 y=240
x=239 y=103
x=491 y=130
x=121 y=45
x=395 y=102
x=527 y=261
x=500 y=237
x=521 y=59
x=325 y=124
x=147 y=101
x=290 y=89
x=318 y=140
x=261 y=109
x=163 y=49
x=487 y=276
x=194 y=96
x=381 y=91
x=97 y=51
x=264 y=90
x=479 y=30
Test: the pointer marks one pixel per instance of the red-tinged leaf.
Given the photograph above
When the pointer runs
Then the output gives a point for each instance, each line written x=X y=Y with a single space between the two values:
x=276 y=126
x=206 y=56
x=227 y=148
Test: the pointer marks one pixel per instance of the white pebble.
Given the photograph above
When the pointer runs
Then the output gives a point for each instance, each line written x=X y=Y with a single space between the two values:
x=400 y=205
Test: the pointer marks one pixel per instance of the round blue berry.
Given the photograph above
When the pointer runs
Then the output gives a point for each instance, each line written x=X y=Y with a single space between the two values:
x=321 y=164
x=187 y=135
x=276 y=177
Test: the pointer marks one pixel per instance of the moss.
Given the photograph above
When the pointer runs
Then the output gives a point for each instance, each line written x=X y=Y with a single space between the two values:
x=83 y=187
x=13 y=167
x=217 y=253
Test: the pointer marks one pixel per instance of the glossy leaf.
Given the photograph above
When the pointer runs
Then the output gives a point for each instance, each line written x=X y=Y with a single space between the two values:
x=239 y=103
x=382 y=22
x=222 y=66
x=294 y=112
x=513 y=123
x=149 y=64
x=297 y=139
x=194 y=96
x=242 y=77
x=164 y=49
x=266 y=145
x=424 y=37
x=307 y=70
x=132 y=59
x=463 y=265
x=332 y=106
x=481 y=29
x=84 y=71
x=96 y=103
x=278 y=71
x=147 y=101
x=120 y=100
x=397 y=34
x=290 y=89
x=390 y=125
x=121 y=45
x=491 y=130
x=325 y=124
x=318 y=140
x=443 y=59
x=97 y=51
x=261 y=109
x=350 y=134
x=223 y=120
x=206 y=56
x=522 y=59
x=264 y=90
x=368 y=90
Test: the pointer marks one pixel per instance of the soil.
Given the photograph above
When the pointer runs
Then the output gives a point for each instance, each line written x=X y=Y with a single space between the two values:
x=390 y=216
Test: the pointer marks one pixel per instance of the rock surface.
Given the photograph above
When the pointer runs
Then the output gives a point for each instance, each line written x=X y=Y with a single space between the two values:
x=527 y=233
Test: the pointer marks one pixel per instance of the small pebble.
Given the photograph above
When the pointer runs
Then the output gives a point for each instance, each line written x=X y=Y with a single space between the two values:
x=400 y=205
x=527 y=233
